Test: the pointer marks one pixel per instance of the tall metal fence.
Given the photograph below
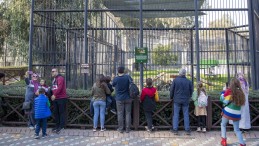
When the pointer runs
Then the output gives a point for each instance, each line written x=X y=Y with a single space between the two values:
x=213 y=46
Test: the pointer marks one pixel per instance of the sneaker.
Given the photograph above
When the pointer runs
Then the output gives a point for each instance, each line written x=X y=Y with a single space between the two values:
x=147 y=129
x=31 y=127
x=204 y=130
x=127 y=131
x=188 y=132
x=175 y=132
x=198 y=129
x=113 y=111
x=153 y=128
x=94 y=129
x=59 y=130
x=44 y=135
x=120 y=130
x=36 y=136
x=103 y=129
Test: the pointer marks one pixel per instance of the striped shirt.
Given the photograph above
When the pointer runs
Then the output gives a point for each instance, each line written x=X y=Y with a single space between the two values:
x=231 y=111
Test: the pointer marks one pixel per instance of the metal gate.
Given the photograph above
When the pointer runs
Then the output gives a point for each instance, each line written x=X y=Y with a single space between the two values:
x=210 y=38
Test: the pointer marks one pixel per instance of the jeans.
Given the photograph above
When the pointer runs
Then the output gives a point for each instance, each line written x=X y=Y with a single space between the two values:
x=124 y=106
x=60 y=112
x=185 y=108
x=149 y=119
x=31 y=115
x=31 y=120
x=99 y=109
x=202 y=121
x=224 y=122
x=41 y=123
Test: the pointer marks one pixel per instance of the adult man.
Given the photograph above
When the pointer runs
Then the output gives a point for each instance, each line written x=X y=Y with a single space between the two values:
x=181 y=92
x=123 y=100
x=59 y=99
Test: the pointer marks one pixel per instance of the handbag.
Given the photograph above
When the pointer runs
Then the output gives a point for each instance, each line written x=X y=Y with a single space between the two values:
x=26 y=105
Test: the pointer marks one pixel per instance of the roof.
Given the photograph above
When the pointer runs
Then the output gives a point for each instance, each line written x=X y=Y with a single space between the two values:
x=152 y=4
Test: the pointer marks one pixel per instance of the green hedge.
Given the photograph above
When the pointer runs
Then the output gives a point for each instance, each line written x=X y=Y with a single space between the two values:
x=19 y=90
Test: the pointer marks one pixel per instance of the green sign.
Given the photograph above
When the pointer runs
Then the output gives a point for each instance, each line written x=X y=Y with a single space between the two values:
x=141 y=55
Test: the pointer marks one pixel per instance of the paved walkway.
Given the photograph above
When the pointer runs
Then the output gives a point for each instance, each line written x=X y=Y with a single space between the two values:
x=10 y=136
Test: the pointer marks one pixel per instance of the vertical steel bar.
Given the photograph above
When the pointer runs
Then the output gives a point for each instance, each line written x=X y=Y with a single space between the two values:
x=227 y=54
x=255 y=74
x=85 y=42
x=197 y=41
x=67 y=70
x=141 y=39
x=75 y=63
x=31 y=35
x=235 y=53
x=192 y=53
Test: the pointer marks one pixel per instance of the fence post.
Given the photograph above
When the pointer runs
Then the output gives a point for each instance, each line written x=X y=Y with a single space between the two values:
x=209 y=113
x=136 y=113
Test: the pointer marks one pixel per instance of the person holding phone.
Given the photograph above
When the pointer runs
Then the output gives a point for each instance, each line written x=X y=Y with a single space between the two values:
x=30 y=94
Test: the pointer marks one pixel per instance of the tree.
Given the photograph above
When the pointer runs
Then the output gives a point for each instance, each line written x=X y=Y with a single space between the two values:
x=162 y=55
x=14 y=15
x=224 y=21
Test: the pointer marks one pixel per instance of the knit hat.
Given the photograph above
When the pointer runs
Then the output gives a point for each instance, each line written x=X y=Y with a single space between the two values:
x=182 y=72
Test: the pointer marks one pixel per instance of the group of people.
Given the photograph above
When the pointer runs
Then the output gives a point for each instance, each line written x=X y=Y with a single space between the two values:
x=37 y=104
x=101 y=92
x=234 y=98
x=235 y=105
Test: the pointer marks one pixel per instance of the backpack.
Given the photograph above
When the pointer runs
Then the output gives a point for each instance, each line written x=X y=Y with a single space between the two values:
x=149 y=103
x=202 y=100
x=133 y=89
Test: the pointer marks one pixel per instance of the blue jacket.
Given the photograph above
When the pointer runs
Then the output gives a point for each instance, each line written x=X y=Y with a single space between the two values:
x=121 y=84
x=181 y=90
x=41 y=107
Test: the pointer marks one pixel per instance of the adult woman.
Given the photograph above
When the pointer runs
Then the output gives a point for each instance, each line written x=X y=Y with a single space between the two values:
x=99 y=91
x=245 y=122
x=32 y=88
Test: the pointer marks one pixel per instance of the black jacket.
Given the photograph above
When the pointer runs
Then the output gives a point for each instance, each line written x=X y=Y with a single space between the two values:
x=181 y=90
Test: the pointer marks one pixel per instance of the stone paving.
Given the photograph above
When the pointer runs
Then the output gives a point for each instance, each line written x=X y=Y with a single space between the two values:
x=11 y=136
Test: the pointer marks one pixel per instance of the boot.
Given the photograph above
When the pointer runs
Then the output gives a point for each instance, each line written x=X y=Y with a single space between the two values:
x=242 y=144
x=223 y=141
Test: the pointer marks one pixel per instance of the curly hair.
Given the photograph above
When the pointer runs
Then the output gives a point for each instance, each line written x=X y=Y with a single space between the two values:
x=238 y=96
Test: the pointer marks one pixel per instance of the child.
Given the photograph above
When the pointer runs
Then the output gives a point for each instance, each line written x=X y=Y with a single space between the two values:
x=110 y=101
x=200 y=108
x=42 y=112
x=43 y=85
x=232 y=99
x=148 y=97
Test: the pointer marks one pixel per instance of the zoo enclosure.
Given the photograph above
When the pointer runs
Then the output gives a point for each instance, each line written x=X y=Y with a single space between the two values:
x=212 y=39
